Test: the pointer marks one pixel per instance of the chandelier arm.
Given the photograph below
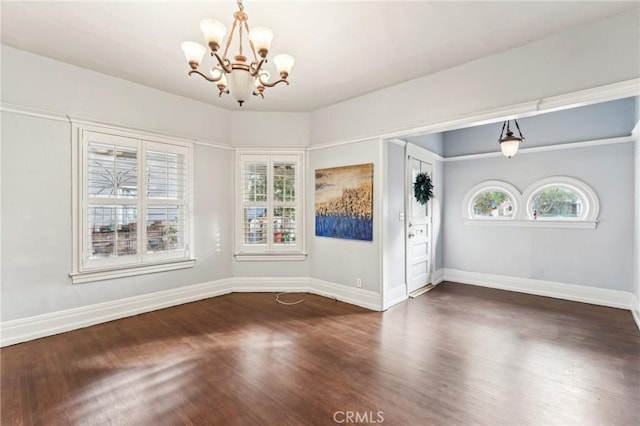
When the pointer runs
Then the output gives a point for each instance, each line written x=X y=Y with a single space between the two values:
x=224 y=63
x=502 y=131
x=258 y=68
x=282 y=80
x=206 y=77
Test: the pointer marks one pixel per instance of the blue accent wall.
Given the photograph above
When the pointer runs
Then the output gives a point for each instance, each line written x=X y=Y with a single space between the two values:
x=597 y=121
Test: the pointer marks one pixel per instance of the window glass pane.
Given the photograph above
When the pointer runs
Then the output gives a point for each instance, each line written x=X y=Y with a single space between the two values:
x=254 y=181
x=165 y=228
x=113 y=171
x=493 y=204
x=254 y=225
x=284 y=181
x=166 y=175
x=112 y=231
x=284 y=225
x=556 y=201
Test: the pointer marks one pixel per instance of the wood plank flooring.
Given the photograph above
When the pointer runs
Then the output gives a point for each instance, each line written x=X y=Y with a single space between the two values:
x=457 y=355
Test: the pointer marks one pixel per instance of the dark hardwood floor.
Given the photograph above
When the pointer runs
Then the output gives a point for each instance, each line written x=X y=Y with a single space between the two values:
x=457 y=355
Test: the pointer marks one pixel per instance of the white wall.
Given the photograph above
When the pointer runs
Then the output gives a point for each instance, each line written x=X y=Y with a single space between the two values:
x=394 y=245
x=577 y=59
x=36 y=182
x=269 y=129
x=37 y=227
x=599 y=257
x=34 y=81
x=337 y=260
x=636 y=256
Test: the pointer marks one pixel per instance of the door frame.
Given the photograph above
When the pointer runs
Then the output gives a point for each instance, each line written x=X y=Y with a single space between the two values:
x=415 y=151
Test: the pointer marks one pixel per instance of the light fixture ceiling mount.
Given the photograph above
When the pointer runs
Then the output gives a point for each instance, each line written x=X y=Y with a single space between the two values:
x=509 y=143
x=238 y=78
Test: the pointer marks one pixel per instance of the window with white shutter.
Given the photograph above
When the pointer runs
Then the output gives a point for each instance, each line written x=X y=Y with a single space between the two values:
x=269 y=220
x=131 y=204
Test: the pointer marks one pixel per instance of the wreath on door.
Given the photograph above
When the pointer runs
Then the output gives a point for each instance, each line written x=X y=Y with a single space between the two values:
x=423 y=188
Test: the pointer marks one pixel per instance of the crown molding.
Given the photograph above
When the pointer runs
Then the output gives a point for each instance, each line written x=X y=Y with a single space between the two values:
x=546 y=148
x=55 y=116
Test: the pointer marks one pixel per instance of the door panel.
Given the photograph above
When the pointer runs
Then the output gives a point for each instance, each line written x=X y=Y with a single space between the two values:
x=418 y=226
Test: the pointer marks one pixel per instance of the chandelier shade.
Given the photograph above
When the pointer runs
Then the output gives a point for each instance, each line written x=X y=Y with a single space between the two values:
x=239 y=78
x=509 y=143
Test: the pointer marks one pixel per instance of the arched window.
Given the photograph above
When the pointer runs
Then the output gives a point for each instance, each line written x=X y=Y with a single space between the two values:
x=491 y=200
x=553 y=202
x=561 y=198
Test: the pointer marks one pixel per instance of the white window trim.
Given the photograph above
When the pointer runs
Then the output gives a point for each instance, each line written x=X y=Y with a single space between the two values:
x=79 y=274
x=281 y=254
x=490 y=185
x=523 y=217
x=591 y=207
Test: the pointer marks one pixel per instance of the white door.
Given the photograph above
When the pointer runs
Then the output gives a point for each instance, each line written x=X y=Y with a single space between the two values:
x=418 y=223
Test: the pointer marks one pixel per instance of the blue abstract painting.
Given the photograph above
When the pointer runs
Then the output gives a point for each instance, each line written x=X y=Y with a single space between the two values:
x=344 y=202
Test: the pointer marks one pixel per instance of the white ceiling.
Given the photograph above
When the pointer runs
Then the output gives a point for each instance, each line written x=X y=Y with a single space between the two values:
x=343 y=49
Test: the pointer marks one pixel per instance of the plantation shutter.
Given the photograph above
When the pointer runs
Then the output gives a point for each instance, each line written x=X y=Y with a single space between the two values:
x=111 y=203
x=166 y=192
x=285 y=180
x=270 y=205
x=255 y=224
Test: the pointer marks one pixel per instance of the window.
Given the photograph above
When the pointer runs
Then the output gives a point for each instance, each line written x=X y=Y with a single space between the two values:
x=131 y=204
x=270 y=204
x=558 y=201
x=496 y=204
x=491 y=200
x=561 y=198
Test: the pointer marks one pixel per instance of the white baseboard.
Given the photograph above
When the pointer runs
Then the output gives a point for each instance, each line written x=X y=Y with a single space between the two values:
x=24 y=329
x=355 y=296
x=635 y=311
x=576 y=293
x=395 y=295
x=271 y=285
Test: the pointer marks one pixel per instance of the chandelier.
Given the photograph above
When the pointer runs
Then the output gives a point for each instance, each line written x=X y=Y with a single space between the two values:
x=238 y=77
x=509 y=143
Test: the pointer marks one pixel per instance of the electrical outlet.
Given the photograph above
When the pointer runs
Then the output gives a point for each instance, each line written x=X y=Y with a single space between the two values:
x=358 y=282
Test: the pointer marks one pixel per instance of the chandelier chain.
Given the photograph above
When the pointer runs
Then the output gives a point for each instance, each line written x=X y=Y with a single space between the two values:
x=226 y=47
x=518 y=127
x=240 y=35
x=253 y=49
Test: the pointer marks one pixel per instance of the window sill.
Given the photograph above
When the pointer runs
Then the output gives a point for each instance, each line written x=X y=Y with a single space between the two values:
x=129 y=271
x=270 y=257
x=580 y=224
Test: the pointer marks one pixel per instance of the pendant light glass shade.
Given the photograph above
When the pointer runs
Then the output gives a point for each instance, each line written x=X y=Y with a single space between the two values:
x=261 y=38
x=241 y=85
x=509 y=147
x=283 y=63
x=510 y=143
x=193 y=52
x=213 y=31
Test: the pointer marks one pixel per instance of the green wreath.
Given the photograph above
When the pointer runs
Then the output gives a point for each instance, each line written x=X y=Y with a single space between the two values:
x=423 y=188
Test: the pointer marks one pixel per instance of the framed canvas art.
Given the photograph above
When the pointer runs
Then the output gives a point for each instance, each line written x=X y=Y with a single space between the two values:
x=344 y=202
